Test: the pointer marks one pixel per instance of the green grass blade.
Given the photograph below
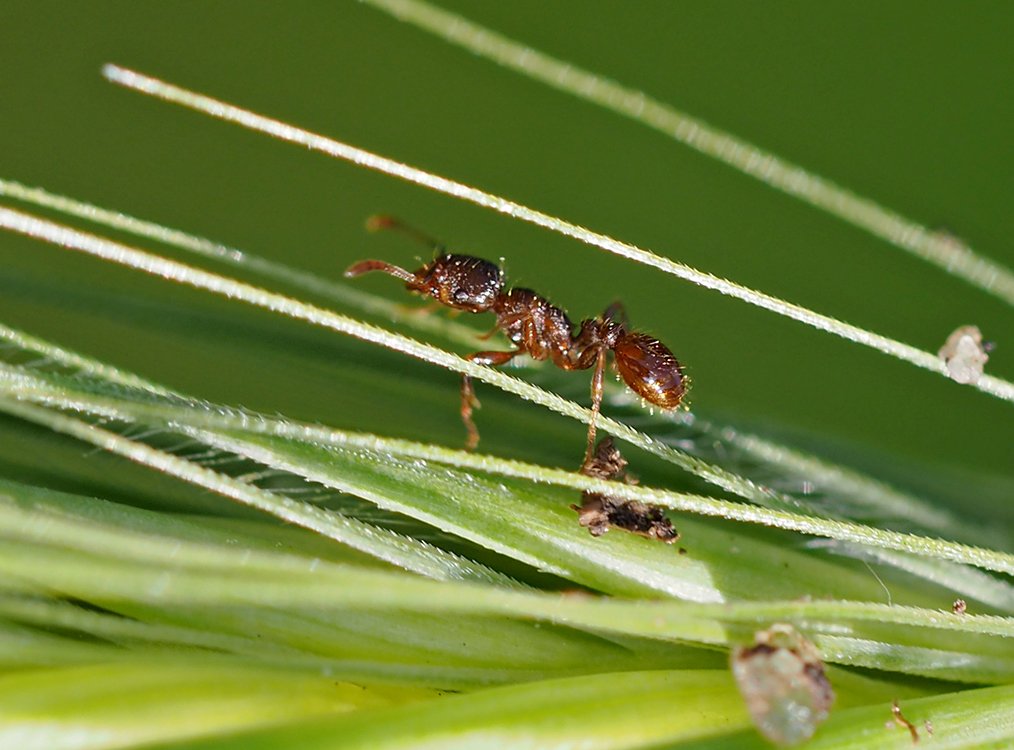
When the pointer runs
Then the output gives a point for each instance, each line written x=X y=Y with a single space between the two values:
x=386 y=545
x=988 y=384
x=116 y=557
x=22 y=385
x=123 y=705
x=938 y=248
x=238 y=592
x=635 y=710
x=839 y=482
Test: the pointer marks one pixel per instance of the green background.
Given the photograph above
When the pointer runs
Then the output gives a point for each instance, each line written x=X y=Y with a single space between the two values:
x=904 y=103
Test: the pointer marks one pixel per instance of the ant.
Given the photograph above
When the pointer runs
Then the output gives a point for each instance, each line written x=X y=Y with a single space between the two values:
x=536 y=328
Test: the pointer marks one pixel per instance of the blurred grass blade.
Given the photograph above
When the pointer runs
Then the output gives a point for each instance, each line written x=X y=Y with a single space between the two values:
x=936 y=247
x=124 y=705
x=21 y=385
x=209 y=594
x=221 y=110
x=115 y=252
x=62 y=544
x=406 y=552
x=699 y=710
x=963 y=580
x=833 y=481
x=89 y=526
x=333 y=290
x=968 y=719
x=601 y=711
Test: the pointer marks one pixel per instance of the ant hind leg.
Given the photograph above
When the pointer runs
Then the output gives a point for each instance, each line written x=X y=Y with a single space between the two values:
x=469 y=403
x=468 y=400
x=596 y=394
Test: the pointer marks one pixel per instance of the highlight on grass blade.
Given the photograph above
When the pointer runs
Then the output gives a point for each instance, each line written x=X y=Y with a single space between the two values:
x=852 y=491
x=940 y=248
x=35 y=387
x=230 y=113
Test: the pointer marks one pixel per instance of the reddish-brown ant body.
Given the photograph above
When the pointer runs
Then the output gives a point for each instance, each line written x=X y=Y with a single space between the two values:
x=537 y=328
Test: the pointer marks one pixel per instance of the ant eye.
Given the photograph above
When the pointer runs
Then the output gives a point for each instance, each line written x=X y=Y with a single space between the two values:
x=460 y=295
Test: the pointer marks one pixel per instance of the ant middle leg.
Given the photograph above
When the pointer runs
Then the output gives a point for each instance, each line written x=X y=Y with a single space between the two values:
x=489 y=334
x=468 y=400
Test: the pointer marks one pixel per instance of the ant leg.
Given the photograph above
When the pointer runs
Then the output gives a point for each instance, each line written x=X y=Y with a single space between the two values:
x=366 y=266
x=382 y=221
x=617 y=313
x=468 y=400
x=489 y=334
x=596 y=393
x=429 y=309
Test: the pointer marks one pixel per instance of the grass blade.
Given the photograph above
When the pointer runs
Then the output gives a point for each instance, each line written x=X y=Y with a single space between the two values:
x=145 y=84
x=35 y=388
x=940 y=249
x=123 y=705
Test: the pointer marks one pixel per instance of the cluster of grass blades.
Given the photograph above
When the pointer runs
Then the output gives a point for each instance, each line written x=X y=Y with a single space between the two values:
x=206 y=574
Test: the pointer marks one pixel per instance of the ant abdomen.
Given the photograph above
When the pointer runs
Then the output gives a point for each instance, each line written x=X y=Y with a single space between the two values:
x=650 y=369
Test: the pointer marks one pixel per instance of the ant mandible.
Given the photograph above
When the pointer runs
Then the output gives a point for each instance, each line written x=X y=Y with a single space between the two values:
x=536 y=328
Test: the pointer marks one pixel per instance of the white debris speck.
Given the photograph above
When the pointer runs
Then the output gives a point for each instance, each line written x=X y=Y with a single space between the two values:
x=782 y=681
x=965 y=354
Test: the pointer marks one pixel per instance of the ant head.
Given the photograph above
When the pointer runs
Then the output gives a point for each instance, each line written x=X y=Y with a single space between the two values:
x=461 y=281
x=650 y=370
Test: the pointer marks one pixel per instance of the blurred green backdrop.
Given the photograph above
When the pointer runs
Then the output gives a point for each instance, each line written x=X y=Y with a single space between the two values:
x=904 y=103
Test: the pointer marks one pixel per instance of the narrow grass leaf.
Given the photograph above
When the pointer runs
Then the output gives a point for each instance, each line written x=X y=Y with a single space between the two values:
x=34 y=387
x=936 y=247
x=145 y=84
x=123 y=705
x=384 y=544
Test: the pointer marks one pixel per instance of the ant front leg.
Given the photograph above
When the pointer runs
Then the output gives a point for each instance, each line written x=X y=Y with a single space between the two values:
x=468 y=399
x=596 y=394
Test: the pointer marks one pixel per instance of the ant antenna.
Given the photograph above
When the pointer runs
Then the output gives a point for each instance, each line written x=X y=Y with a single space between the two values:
x=378 y=222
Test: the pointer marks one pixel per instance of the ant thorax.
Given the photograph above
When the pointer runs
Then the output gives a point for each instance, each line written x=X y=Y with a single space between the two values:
x=532 y=324
x=595 y=334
